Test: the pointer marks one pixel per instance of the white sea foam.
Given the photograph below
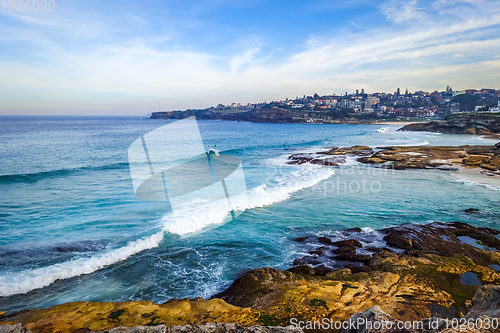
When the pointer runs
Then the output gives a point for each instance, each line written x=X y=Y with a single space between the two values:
x=196 y=216
x=350 y=161
x=407 y=142
x=24 y=281
x=382 y=130
x=277 y=161
x=461 y=179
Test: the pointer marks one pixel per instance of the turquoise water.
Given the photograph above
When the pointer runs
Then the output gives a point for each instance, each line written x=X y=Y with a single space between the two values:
x=73 y=229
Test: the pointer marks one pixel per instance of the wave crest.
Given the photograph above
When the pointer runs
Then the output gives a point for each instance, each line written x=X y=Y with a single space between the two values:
x=25 y=281
x=199 y=215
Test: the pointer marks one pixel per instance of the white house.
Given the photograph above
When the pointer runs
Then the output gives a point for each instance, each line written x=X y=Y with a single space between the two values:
x=495 y=108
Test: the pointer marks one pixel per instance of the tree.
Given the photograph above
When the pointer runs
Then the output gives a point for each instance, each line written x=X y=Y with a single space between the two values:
x=467 y=102
x=398 y=92
x=406 y=92
x=357 y=93
x=316 y=96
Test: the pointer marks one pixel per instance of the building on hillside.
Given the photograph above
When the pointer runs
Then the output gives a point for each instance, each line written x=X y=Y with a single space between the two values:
x=458 y=92
x=495 y=108
x=487 y=91
x=373 y=100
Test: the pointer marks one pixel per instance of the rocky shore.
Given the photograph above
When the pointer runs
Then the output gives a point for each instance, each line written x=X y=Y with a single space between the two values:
x=271 y=115
x=486 y=158
x=419 y=272
x=468 y=123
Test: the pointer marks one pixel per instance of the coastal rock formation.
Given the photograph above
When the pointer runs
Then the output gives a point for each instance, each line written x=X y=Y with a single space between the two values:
x=428 y=277
x=311 y=158
x=486 y=302
x=229 y=328
x=468 y=123
x=17 y=328
x=422 y=271
x=436 y=157
x=101 y=316
x=206 y=328
x=333 y=157
x=486 y=306
x=372 y=314
x=409 y=157
x=258 y=114
x=354 y=150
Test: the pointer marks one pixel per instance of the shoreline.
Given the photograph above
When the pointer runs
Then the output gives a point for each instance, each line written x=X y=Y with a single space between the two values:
x=491 y=136
x=421 y=268
x=326 y=122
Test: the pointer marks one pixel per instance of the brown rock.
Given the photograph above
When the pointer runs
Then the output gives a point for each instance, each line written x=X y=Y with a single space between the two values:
x=397 y=239
x=322 y=270
x=248 y=289
x=303 y=270
x=348 y=242
x=325 y=240
x=353 y=257
x=495 y=161
x=300 y=239
x=345 y=249
x=470 y=130
x=479 y=150
x=378 y=249
x=355 y=150
x=360 y=269
x=434 y=157
x=371 y=160
x=475 y=160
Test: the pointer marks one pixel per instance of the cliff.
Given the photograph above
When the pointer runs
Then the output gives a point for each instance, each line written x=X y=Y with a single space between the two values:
x=468 y=123
x=268 y=115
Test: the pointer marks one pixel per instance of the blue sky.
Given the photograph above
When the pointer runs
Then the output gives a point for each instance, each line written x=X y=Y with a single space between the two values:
x=134 y=57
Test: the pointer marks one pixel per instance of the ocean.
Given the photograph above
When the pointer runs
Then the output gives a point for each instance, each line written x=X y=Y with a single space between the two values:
x=72 y=227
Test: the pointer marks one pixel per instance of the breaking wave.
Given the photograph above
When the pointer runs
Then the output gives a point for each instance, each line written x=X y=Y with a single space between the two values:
x=194 y=217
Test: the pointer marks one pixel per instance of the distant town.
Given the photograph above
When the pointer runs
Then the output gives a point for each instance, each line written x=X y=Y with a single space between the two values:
x=354 y=107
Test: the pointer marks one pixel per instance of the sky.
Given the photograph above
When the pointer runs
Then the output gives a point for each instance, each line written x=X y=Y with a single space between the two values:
x=135 y=57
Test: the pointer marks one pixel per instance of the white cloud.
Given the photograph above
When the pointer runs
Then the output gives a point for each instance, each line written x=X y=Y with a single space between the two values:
x=399 y=11
x=246 y=58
